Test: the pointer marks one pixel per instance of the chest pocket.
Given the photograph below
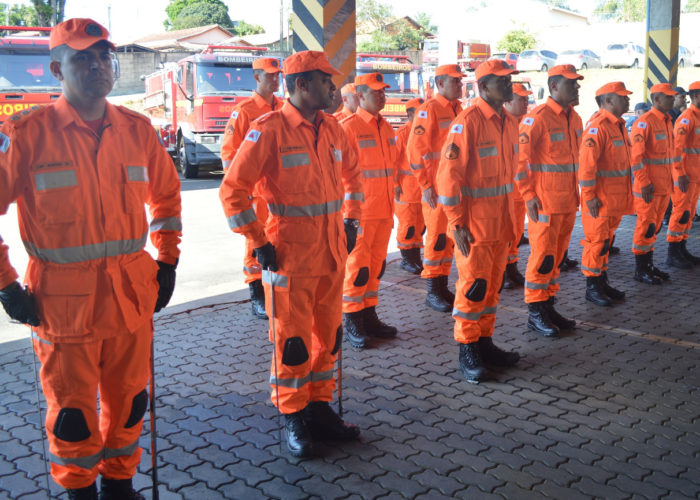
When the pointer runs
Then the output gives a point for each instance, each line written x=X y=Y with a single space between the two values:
x=558 y=145
x=295 y=171
x=660 y=144
x=57 y=195
x=135 y=187
x=487 y=153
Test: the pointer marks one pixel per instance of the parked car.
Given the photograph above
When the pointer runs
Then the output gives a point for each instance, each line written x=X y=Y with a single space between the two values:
x=510 y=57
x=696 y=56
x=628 y=54
x=536 y=60
x=685 y=57
x=581 y=59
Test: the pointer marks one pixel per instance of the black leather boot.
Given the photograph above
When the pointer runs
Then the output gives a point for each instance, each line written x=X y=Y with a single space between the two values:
x=470 y=363
x=655 y=270
x=538 y=320
x=416 y=258
x=445 y=292
x=407 y=263
x=257 y=299
x=494 y=355
x=613 y=250
x=374 y=327
x=353 y=326
x=512 y=277
x=523 y=240
x=689 y=256
x=595 y=292
x=611 y=292
x=642 y=270
x=675 y=256
x=118 y=489
x=559 y=320
x=325 y=424
x=87 y=493
x=299 y=441
x=434 y=298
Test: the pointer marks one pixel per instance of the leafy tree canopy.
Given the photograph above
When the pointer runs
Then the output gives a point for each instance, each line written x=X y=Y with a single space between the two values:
x=20 y=15
x=49 y=12
x=202 y=14
x=517 y=41
x=622 y=10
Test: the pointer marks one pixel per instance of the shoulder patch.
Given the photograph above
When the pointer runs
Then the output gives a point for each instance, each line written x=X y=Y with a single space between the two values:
x=638 y=138
x=419 y=130
x=523 y=138
x=4 y=143
x=253 y=135
x=234 y=114
x=452 y=152
x=641 y=124
x=685 y=121
x=593 y=131
x=456 y=128
x=422 y=114
x=528 y=121
x=681 y=131
x=589 y=143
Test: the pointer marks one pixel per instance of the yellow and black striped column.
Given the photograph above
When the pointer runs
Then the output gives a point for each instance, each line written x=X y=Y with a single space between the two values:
x=663 y=19
x=327 y=25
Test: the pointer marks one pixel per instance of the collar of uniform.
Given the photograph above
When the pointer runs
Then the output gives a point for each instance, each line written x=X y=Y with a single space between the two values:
x=67 y=114
x=659 y=114
x=607 y=115
x=262 y=103
x=367 y=116
x=294 y=117
x=555 y=106
x=486 y=109
x=444 y=102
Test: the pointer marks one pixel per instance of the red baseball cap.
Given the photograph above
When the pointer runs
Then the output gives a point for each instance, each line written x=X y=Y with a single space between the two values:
x=309 y=60
x=79 y=34
x=613 y=88
x=268 y=64
x=375 y=81
x=521 y=90
x=694 y=86
x=414 y=103
x=565 y=70
x=449 y=70
x=496 y=67
x=664 y=88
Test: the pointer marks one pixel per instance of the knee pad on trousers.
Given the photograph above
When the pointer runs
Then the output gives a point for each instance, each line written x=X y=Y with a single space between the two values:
x=441 y=242
x=547 y=265
x=477 y=291
x=138 y=409
x=685 y=217
x=362 y=277
x=410 y=233
x=71 y=425
x=423 y=231
x=381 y=272
x=606 y=247
x=338 y=340
x=651 y=230
x=295 y=352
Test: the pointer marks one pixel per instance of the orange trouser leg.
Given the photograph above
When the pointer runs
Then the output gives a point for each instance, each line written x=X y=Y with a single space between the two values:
x=251 y=267
x=683 y=212
x=598 y=234
x=79 y=438
x=519 y=208
x=307 y=323
x=649 y=218
x=365 y=265
x=409 y=233
x=439 y=249
x=548 y=242
x=478 y=291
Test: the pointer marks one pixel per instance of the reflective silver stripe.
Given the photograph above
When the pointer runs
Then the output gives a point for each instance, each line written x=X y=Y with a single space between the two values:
x=272 y=278
x=377 y=173
x=618 y=142
x=472 y=316
x=552 y=282
x=675 y=233
x=448 y=201
x=405 y=172
x=252 y=270
x=692 y=151
x=542 y=218
x=367 y=143
x=226 y=163
x=487 y=152
x=542 y=167
x=660 y=137
x=371 y=294
x=399 y=202
x=614 y=173
x=241 y=219
x=445 y=123
x=329 y=207
x=166 y=224
x=35 y=336
x=697 y=130
x=70 y=255
x=355 y=196
x=126 y=451
x=487 y=192
x=296 y=383
x=91 y=461
x=536 y=286
x=590 y=183
x=557 y=136
x=591 y=270
x=392 y=141
x=357 y=300
x=516 y=148
x=658 y=161
x=521 y=175
x=53 y=180
x=643 y=248
x=636 y=166
x=295 y=160
x=137 y=173
x=436 y=262
x=433 y=155
x=338 y=155
x=636 y=194
x=416 y=166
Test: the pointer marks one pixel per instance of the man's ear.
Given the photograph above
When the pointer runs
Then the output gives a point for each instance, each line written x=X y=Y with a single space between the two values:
x=55 y=68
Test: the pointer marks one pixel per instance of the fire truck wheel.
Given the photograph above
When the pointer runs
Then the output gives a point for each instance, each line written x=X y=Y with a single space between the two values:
x=188 y=169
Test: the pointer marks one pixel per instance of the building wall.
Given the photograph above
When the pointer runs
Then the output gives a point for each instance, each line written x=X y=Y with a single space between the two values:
x=134 y=65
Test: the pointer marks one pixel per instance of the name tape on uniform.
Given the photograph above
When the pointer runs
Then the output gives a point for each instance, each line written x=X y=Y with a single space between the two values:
x=253 y=135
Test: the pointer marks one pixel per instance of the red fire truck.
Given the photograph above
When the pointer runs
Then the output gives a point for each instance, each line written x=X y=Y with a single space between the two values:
x=190 y=102
x=468 y=54
x=25 y=78
x=405 y=80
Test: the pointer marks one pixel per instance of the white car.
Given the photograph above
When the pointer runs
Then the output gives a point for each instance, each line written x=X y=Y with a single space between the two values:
x=580 y=59
x=536 y=60
x=684 y=57
x=696 y=57
x=628 y=55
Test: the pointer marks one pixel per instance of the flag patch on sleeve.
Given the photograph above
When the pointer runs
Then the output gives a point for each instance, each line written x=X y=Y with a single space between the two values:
x=253 y=135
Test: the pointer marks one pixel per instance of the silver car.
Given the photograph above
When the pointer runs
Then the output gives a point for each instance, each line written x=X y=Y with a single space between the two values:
x=685 y=57
x=580 y=59
x=623 y=54
x=536 y=60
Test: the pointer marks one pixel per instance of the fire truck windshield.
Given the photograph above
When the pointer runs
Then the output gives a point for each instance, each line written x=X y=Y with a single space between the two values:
x=26 y=72
x=409 y=82
x=219 y=79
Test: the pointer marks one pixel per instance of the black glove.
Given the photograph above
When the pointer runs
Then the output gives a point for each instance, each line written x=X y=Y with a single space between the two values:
x=166 y=283
x=266 y=256
x=351 y=226
x=19 y=304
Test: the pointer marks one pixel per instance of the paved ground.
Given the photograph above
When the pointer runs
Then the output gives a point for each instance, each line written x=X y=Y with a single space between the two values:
x=609 y=411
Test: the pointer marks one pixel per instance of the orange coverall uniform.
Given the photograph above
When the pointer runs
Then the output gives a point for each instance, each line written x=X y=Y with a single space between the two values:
x=80 y=199
x=304 y=168
x=342 y=113
x=236 y=128
x=430 y=127
x=519 y=212
x=549 y=147
x=652 y=162
x=604 y=173
x=407 y=208
x=686 y=138
x=475 y=186
x=375 y=142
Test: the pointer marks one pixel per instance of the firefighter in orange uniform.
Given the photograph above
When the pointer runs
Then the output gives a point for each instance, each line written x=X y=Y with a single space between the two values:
x=549 y=147
x=375 y=142
x=652 y=162
x=475 y=186
x=606 y=188
x=686 y=138
x=430 y=127
x=517 y=107
x=407 y=206
x=91 y=286
x=266 y=72
x=350 y=101
x=304 y=159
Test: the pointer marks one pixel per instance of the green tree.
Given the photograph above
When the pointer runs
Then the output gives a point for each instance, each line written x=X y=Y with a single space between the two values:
x=372 y=15
x=175 y=7
x=378 y=42
x=622 y=10
x=202 y=14
x=244 y=28
x=19 y=15
x=424 y=20
x=49 y=12
x=517 y=41
x=692 y=6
